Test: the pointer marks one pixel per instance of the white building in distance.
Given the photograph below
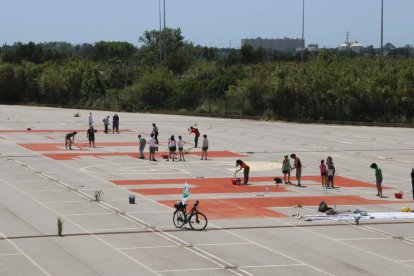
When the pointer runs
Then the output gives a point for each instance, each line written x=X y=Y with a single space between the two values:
x=279 y=44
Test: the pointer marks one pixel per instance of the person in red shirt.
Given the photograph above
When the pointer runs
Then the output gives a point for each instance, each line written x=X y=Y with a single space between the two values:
x=196 y=133
x=246 y=170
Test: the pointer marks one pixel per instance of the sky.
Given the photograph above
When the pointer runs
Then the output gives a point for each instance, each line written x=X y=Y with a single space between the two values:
x=213 y=23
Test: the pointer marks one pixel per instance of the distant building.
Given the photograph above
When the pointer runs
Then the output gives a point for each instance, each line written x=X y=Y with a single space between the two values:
x=355 y=47
x=278 y=44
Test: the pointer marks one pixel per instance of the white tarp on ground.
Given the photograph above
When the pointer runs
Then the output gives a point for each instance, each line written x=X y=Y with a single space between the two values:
x=350 y=217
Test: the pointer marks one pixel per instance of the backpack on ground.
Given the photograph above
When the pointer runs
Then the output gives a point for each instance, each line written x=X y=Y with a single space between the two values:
x=277 y=180
x=323 y=207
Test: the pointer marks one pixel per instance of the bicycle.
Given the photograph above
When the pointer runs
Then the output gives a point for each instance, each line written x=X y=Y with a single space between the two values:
x=196 y=219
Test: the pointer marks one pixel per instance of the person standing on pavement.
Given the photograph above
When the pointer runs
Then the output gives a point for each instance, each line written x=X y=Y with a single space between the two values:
x=115 y=123
x=172 y=148
x=155 y=132
x=196 y=133
x=204 y=148
x=378 y=178
x=152 y=147
x=142 y=143
x=286 y=167
x=297 y=165
x=180 y=144
x=412 y=180
x=330 y=163
x=90 y=134
x=90 y=119
x=106 y=123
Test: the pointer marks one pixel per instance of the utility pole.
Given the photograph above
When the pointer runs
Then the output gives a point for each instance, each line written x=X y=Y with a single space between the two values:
x=303 y=30
x=163 y=35
x=159 y=16
x=382 y=26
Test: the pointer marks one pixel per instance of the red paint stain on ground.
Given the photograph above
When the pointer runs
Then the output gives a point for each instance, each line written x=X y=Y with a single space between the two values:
x=75 y=155
x=259 y=207
x=202 y=186
x=212 y=182
x=70 y=155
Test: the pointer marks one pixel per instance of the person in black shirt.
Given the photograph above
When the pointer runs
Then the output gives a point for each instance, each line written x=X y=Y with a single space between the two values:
x=115 y=123
x=412 y=181
x=91 y=136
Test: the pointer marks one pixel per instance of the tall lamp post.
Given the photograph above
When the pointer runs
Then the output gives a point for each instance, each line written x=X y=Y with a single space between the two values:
x=382 y=26
x=303 y=30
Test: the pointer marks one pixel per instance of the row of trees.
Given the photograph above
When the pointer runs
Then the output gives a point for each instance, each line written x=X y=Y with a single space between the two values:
x=168 y=73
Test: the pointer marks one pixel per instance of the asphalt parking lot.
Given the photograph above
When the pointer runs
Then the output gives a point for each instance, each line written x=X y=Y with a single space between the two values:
x=251 y=230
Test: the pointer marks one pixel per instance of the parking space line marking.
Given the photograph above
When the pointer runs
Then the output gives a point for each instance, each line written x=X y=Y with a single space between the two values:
x=114 y=229
x=26 y=255
x=263 y=266
x=11 y=254
x=403 y=261
x=149 y=247
x=76 y=224
x=222 y=244
x=147 y=212
x=63 y=201
x=362 y=239
x=191 y=269
x=88 y=214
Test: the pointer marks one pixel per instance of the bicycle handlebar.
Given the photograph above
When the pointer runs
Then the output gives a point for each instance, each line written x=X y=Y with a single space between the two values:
x=196 y=203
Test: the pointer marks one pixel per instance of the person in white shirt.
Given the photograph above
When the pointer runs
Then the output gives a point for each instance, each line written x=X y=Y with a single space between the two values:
x=180 y=144
x=204 y=148
x=90 y=119
x=152 y=147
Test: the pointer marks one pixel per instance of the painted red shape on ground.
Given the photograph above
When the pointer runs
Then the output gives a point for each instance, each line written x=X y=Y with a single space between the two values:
x=82 y=144
x=259 y=207
x=248 y=207
x=70 y=155
x=51 y=130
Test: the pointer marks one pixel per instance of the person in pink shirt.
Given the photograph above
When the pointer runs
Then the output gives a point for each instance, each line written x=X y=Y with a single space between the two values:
x=322 y=167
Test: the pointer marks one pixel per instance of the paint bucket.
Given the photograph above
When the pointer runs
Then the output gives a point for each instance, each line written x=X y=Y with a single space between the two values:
x=236 y=181
x=398 y=195
x=131 y=199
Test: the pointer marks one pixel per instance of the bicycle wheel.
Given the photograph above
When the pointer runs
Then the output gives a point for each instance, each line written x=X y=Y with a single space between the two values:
x=198 y=221
x=179 y=218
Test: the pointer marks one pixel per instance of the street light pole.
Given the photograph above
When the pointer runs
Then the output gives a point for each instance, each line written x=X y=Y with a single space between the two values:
x=303 y=30
x=382 y=26
x=159 y=16
x=164 y=14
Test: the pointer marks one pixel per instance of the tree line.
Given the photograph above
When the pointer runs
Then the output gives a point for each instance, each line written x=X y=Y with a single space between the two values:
x=168 y=73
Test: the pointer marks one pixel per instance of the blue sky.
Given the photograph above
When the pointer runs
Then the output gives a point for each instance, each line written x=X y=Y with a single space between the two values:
x=207 y=22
